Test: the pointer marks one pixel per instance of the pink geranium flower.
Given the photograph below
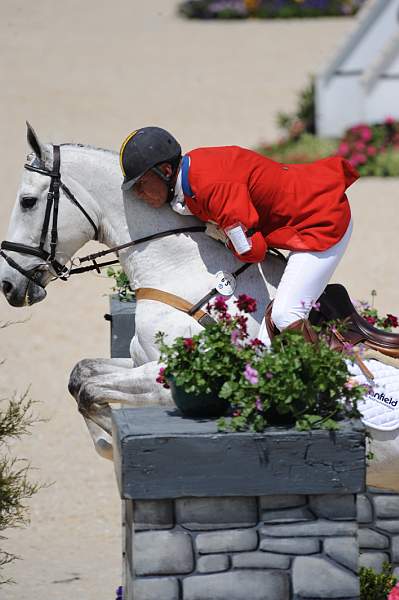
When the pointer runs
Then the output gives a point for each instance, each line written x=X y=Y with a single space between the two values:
x=343 y=149
x=251 y=374
x=361 y=158
x=366 y=134
x=350 y=384
x=394 y=593
x=235 y=337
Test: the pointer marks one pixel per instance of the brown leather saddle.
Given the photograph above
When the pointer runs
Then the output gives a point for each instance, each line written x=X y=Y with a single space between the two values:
x=335 y=304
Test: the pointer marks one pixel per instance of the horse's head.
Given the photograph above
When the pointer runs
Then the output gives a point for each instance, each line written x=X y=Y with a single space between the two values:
x=46 y=227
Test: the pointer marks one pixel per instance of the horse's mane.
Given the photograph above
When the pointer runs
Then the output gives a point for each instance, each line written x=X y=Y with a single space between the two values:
x=89 y=147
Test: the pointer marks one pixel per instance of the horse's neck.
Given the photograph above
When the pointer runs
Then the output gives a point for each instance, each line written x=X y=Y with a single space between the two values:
x=182 y=264
x=97 y=171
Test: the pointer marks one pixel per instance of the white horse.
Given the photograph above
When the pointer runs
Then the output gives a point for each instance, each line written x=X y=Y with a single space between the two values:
x=184 y=265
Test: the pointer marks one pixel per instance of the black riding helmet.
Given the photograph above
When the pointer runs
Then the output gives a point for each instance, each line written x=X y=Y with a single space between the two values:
x=143 y=150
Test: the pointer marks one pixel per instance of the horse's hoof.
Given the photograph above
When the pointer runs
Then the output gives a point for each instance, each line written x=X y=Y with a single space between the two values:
x=104 y=448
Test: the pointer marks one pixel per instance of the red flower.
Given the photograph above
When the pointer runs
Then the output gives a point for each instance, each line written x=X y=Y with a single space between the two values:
x=371 y=320
x=389 y=121
x=189 y=344
x=256 y=343
x=246 y=303
x=391 y=321
x=161 y=378
x=219 y=304
x=242 y=324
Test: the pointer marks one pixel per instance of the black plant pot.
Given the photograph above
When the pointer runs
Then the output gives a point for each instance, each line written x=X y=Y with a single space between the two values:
x=204 y=406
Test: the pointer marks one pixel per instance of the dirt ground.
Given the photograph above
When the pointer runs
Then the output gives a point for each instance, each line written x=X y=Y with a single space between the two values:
x=90 y=72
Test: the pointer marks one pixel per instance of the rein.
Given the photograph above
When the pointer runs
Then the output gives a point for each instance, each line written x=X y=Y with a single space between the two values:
x=155 y=236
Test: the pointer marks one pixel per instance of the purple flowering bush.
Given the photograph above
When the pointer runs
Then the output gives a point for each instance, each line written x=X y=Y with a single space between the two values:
x=119 y=593
x=267 y=9
x=292 y=383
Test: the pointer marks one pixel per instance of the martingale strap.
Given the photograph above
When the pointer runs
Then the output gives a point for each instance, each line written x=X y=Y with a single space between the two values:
x=176 y=302
x=193 y=310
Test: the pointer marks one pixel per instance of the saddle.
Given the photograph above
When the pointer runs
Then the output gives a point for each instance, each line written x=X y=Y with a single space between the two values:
x=335 y=304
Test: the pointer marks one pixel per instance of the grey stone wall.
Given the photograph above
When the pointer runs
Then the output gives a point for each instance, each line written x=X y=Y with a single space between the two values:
x=282 y=547
x=241 y=516
x=378 y=517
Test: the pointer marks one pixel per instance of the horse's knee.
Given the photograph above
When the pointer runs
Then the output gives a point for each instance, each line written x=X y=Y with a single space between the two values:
x=81 y=371
x=86 y=396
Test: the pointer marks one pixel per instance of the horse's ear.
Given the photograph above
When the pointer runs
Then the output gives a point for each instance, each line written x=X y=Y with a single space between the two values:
x=34 y=142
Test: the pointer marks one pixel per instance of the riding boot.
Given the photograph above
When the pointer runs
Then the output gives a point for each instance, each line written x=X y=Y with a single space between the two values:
x=303 y=326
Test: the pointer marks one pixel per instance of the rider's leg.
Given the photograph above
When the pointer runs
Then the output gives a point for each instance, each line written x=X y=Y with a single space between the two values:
x=304 y=280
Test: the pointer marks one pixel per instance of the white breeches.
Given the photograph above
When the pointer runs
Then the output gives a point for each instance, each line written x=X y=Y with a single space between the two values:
x=303 y=281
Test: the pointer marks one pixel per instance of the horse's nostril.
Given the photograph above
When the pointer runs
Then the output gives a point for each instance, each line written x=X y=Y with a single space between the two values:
x=7 y=287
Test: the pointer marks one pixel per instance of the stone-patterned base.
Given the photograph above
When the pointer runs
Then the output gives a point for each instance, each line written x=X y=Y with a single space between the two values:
x=378 y=517
x=292 y=547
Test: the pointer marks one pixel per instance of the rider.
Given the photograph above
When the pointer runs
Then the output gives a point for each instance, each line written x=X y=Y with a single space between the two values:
x=255 y=203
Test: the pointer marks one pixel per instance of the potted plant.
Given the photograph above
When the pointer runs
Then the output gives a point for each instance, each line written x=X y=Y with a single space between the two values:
x=223 y=372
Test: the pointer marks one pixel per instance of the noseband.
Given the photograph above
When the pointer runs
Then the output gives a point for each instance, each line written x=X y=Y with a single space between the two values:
x=53 y=198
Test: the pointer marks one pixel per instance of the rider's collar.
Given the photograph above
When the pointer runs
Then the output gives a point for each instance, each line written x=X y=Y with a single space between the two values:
x=178 y=203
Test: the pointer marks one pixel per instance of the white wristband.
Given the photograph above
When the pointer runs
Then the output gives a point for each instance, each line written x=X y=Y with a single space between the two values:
x=238 y=238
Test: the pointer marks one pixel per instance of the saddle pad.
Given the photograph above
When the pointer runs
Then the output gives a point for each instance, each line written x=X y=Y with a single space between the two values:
x=380 y=408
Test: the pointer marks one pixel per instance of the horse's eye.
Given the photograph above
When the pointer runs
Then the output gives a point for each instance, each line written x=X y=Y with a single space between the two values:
x=28 y=201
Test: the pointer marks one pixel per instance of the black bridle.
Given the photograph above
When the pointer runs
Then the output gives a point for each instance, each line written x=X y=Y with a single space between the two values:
x=53 y=199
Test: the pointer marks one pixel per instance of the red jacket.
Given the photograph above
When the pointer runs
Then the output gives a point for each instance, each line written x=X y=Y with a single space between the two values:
x=295 y=207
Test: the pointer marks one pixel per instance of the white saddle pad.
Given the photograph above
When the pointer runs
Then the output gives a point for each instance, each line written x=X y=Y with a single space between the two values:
x=380 y=408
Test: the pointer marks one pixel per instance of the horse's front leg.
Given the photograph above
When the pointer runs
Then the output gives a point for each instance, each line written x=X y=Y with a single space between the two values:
x=101 y=439
x=136 y=386
x=96 y=384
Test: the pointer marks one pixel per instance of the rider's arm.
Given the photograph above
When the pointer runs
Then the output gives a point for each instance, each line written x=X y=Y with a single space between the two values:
x=230 y=206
